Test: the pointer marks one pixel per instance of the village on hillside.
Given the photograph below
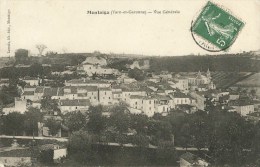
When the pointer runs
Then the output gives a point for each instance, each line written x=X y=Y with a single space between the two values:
x=136 y=106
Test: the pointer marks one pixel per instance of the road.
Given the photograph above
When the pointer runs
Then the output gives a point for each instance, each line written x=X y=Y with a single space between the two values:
x=110 y=144
x=36 y=137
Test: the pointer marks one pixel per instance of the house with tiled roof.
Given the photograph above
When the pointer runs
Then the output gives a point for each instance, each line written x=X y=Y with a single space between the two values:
x=105 y=96
x=28 y=87
x=19 y=105
x=87 y=82
x=242 y=107
x=128 y=90
x=146 y=104
x=180 y=98
x=58 y=152
x=28 y=95
x=163 y=103
x=4 y=82
x=93 y=66
x=68 y=105
x=200 y=99
x=15 y=156
x=180 y=82
x=33 y=81
x=191 y=160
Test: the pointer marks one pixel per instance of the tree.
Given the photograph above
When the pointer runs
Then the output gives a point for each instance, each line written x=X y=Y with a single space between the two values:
x=32 y=117
x=36 y=70
x=185 y=135
x=49 y=105
x=120 y=118
x=14 y=123
x=199 y=129
x=228 y=137
x=80 y=145
x=140 y=140
x=51 y=53
x=41 y=48
x=253 y=93
x=97 y=122
x=53 y=125
x=7 y=94
x=255 y=145
x=75 y=121
x=139 y=123
x=77 y=59
x=137 y=74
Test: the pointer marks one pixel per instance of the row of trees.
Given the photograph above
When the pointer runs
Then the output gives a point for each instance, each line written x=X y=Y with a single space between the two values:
x=229 y=138
x=19 y=124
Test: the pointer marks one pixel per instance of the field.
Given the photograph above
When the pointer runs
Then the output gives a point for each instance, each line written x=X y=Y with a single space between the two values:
x=225 y=79
x=252 y=81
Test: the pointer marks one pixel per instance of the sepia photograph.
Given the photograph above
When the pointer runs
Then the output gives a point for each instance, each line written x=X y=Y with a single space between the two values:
x=130 y=83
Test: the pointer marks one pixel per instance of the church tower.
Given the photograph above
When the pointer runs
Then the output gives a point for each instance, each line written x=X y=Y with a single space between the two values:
x=208 y=74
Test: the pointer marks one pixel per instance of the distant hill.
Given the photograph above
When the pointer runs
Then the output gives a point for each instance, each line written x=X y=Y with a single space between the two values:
x=230 y=63
x=242 y=62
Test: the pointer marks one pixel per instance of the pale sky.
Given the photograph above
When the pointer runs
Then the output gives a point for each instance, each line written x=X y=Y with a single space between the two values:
x=66 y=25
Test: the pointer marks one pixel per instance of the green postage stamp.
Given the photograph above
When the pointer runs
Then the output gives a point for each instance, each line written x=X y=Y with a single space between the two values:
x=215 y=29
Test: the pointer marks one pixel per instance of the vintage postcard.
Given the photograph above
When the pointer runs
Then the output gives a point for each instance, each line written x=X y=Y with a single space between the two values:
x=130 y=83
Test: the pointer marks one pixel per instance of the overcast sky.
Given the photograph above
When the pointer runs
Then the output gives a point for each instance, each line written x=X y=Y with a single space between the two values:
x=65 y=25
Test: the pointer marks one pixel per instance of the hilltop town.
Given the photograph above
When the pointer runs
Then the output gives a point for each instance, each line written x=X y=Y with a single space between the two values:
x=101 y=98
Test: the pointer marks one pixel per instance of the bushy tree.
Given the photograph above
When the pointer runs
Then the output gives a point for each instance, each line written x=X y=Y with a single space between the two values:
x=14 y=123
x=137 y=74
x=120 y=119
x=32 y=117
x=41 y=48
x=49 y=105
x=75 y=121
x=53 y=125
x=80 y=146
x=139 y=123
x=97 y=123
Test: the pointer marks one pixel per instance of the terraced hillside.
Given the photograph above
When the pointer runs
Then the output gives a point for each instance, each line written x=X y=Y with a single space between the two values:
x=225 y=79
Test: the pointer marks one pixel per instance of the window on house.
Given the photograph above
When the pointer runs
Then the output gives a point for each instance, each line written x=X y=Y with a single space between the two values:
x=105 y=93
x=149 y=101
x=136 y=102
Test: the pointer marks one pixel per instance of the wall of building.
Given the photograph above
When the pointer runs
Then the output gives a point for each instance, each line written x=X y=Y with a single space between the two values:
x=15 y=161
